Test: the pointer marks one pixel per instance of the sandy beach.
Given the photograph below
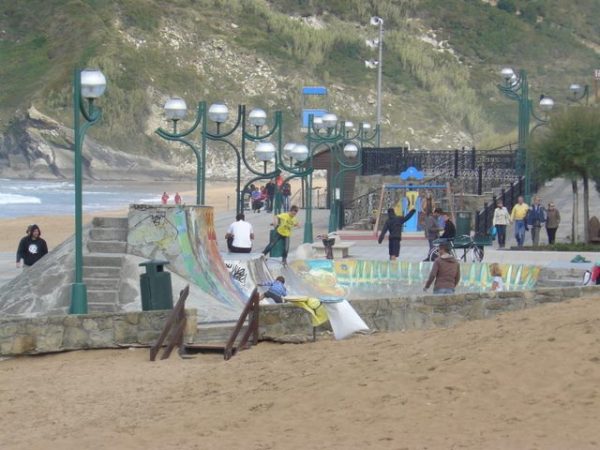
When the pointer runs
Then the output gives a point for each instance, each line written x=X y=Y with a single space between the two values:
x=524 y=380
x=55 y=229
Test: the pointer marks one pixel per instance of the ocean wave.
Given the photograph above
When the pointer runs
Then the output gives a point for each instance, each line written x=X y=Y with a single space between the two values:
x=142 y=201
x=16 y=199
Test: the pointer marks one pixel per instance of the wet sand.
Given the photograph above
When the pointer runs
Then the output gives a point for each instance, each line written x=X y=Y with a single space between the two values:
x=525 y=380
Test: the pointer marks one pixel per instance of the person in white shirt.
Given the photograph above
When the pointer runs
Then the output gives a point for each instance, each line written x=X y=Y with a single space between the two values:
x=240 y=235
x=500 y=221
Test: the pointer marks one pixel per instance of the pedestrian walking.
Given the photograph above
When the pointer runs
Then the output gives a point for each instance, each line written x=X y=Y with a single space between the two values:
x=501 y=220
x=270 y=191
x=31 y=247
x=286 y=192
x=177 y=198
x=445 y=272
x=552 y=222
x=285 y=223
x=240 y=235
x=536 y=218
x=165 y=198
x=518 y=216
x=394 y=225
x=432 y=228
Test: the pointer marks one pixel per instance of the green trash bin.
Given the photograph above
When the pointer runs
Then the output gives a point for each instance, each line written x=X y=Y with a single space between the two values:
x=155 y=286
x=463 y=222
x=277 y=250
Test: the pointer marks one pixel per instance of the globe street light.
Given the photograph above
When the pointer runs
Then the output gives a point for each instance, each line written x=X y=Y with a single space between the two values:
x=88 y=84
x=265 y=152
x=578 y=93
x=175 y=109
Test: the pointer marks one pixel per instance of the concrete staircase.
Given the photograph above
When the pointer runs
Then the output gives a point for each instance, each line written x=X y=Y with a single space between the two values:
x=107 y=244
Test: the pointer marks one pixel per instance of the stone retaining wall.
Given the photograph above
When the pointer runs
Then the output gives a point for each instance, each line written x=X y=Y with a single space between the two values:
x=419 y=312
x=19 y=336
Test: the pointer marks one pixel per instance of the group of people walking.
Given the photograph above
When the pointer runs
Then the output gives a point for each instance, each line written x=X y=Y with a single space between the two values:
x=264 y=196
x=526 y=218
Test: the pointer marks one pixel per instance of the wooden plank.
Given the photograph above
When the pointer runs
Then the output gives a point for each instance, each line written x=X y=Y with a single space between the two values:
x=172 y=320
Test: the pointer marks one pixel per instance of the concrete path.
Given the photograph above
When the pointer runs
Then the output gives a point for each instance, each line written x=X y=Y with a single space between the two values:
x=558 y=191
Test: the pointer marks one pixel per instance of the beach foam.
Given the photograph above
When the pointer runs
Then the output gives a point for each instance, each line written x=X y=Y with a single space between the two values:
x=16 y=199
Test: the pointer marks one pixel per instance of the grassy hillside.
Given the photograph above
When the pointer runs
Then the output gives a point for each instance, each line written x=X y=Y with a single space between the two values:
x=440 y=63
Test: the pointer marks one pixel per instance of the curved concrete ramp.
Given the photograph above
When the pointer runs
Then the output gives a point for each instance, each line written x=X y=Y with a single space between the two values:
x=185 y=236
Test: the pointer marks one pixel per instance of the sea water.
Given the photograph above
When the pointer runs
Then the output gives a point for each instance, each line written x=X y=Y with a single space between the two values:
x=20 y=198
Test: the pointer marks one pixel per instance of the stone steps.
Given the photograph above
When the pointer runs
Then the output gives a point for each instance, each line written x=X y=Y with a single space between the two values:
x=101 y=272
x=101 y=307
x=106 y=284
x=110 y=222
x=107 y=246
x=103 y=296
x=108 y=234
x=107 y=242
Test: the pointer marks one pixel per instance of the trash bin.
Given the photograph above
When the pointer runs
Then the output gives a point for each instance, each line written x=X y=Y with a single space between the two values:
x=277 y=250
x=155 y=286
x=463 y=222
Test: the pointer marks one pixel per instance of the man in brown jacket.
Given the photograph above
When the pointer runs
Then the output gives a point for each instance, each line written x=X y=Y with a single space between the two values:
x=445 y=272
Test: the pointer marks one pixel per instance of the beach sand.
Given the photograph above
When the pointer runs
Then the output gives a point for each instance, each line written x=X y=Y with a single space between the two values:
x=55 y=229
x=524 y=380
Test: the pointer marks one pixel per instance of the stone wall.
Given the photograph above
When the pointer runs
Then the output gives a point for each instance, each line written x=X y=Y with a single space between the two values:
x=419 y=312
x=19 y=336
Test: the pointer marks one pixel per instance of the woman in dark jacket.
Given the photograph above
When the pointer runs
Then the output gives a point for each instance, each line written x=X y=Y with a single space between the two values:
x=394 y=225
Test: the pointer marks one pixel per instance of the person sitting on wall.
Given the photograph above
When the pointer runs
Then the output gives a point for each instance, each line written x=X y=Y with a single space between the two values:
x=240 y=235
x=449 y=228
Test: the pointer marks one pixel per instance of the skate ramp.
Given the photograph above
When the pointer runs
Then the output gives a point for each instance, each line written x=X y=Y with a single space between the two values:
x=185 y=236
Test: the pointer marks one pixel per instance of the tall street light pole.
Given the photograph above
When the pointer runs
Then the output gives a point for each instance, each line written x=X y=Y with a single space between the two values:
x=516 y=87
x=377 y=43
x=88 y=84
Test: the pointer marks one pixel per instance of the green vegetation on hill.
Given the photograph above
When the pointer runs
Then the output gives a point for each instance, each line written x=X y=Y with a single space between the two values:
x=149 y=49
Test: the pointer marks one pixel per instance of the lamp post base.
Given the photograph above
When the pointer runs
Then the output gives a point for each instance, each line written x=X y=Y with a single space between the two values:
x=79 y=303
x=308 y=233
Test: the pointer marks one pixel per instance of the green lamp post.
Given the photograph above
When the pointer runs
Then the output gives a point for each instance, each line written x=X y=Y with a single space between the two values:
x=218 y=113
x=516 y=87
x=349 y=153
x=324 y=131
x=88 y=84
x=175 y=109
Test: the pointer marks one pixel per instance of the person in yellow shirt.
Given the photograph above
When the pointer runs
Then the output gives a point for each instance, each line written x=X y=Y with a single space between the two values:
x=285 y=223
x=518 y=216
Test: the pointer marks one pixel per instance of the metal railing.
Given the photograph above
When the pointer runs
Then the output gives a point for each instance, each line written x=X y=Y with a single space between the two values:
x=484 y=218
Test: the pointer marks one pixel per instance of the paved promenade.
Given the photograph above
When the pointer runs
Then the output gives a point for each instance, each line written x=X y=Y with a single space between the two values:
x=413 y=248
